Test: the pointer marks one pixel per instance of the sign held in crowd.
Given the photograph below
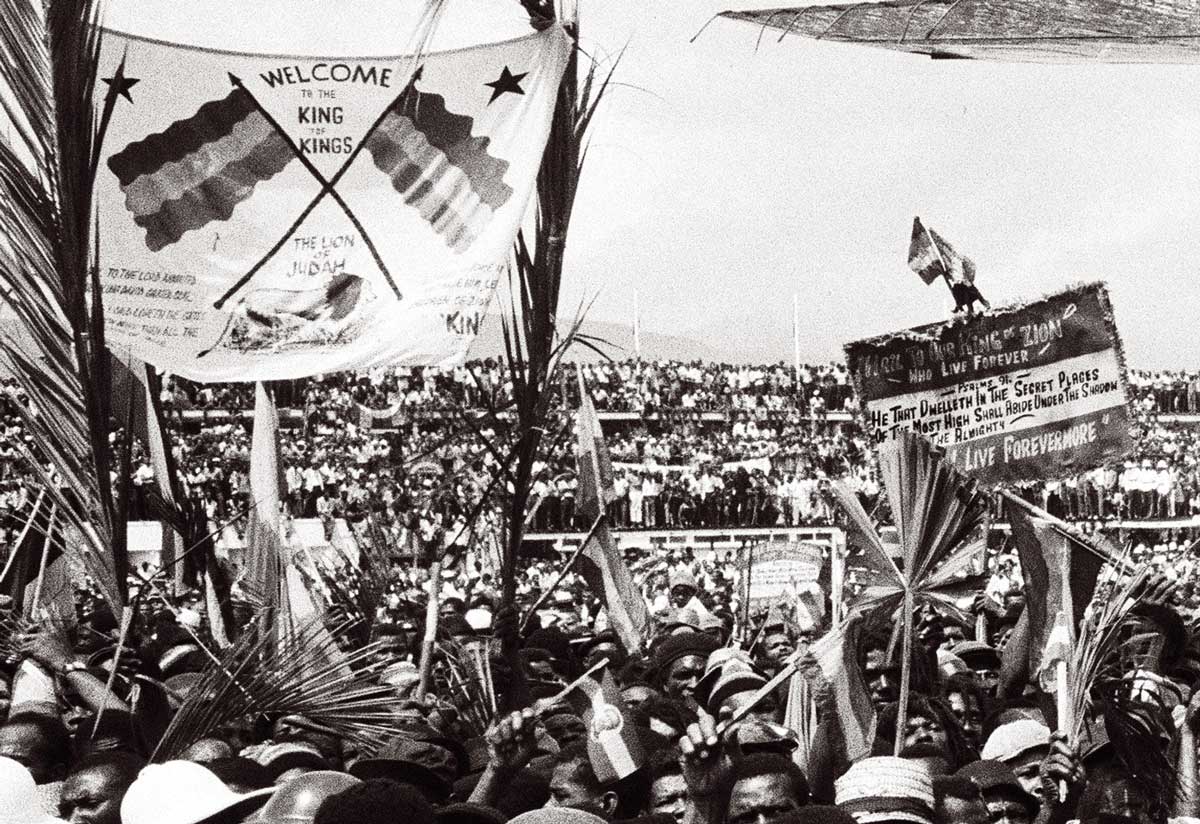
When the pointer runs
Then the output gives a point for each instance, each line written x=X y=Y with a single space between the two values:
x=1032 y=391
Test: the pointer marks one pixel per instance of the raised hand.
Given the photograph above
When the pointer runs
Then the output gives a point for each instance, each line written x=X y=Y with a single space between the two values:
x=706 y=762
x=511 y=742
x=1061 y=765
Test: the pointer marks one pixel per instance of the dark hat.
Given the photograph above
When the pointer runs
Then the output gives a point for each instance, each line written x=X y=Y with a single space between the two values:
x=994 y=775
x=977 y=654
x=291 y=755
x=468 y=813
x=677 y=646
x=426 y=766
x=418 y=730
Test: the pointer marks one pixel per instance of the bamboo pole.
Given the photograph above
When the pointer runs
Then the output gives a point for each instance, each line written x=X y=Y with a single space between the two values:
x=906 y=621
x=562 y=573
x=432 y=608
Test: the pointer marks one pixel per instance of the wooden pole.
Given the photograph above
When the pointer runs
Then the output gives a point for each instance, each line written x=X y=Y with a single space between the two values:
x=563 y=572
x=905 y=671
x=432 y=608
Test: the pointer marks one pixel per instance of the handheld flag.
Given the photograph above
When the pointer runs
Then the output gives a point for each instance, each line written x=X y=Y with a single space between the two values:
x=600 y=562
x=613 y=745
x=835 y=656
x=264 y=533
x=1060 y=574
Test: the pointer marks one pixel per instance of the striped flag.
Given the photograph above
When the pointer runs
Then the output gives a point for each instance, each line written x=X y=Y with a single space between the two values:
x=932 y=257
x=264 y=533
x=596 y=489
x=1060 y=577
x=600 y=563
x=835 y=656
x=613 y=744
x=199 y=169
x=440 y=168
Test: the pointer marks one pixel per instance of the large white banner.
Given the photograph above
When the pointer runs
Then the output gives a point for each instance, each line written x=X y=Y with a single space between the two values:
x=266 y=217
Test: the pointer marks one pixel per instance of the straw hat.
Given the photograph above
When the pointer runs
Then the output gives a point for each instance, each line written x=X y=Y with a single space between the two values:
x=886 y=789
x=180 y=792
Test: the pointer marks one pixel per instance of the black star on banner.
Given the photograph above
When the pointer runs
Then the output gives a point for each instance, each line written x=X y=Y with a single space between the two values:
x=119 y=84
x=507 y=82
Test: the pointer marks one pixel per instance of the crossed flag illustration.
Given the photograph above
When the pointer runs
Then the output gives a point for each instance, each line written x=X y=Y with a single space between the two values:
x=428 y=153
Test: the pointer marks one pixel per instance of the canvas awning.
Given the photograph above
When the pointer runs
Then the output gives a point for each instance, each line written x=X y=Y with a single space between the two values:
x=1041 y=31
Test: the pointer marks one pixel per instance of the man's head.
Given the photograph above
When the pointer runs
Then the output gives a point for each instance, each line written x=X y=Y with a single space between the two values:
x=958 y=801
x=1110 y=792
x=1021 y=745
x=378 y=801
x=679 y=663
x=777 y=646
x=668 y=790
x=683 y=587
x=964 y=702
x=765 y=786
x=573 y=783
x=93 y=790
x=1006 y=799
x=37 y=741
x=882 y=677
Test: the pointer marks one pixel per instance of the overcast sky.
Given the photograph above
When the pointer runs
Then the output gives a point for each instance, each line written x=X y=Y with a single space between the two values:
x=723 y=179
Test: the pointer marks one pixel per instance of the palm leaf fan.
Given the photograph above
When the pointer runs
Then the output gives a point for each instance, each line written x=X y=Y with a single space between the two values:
x=940 y=517
x=48 y=59
x=289 y=674
x=938 y=514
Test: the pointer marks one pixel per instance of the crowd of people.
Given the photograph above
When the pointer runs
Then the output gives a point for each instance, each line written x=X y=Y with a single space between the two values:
x=683 y=726
x=85 y=712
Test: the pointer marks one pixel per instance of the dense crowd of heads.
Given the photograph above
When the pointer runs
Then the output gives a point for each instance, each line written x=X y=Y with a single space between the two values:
x=85 y=701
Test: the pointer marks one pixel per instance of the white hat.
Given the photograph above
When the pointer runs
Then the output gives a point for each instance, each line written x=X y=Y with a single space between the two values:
x=479 y=619
x=20 y=802
x=884 y=788
x=1014 y=739
x=180 y=792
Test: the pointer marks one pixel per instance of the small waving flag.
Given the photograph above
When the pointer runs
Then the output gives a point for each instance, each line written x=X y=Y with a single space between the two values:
x=931 y=256
x=1060 y=574
x=613 y=744
x=441 y=170
x=600 y=563
x=199 y=169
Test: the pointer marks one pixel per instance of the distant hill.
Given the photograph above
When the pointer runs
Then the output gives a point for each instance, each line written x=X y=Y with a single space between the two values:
x=490 y=343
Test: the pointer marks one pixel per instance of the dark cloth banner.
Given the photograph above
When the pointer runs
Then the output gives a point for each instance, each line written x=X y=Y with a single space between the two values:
x=1031 y=391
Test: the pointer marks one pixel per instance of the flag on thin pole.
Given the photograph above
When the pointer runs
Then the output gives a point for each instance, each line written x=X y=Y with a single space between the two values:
x=264 y=535
x=600 y=563
x=1060 y=574
x=613 y=744
x=931 y=256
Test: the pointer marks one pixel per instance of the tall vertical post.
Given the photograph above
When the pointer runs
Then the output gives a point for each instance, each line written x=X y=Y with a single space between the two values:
x=637 y=327
x=796 y=334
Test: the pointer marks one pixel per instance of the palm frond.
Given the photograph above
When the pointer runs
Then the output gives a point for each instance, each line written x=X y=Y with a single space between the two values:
x=1102 y=690
x=265 y=675
x=47 y=266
